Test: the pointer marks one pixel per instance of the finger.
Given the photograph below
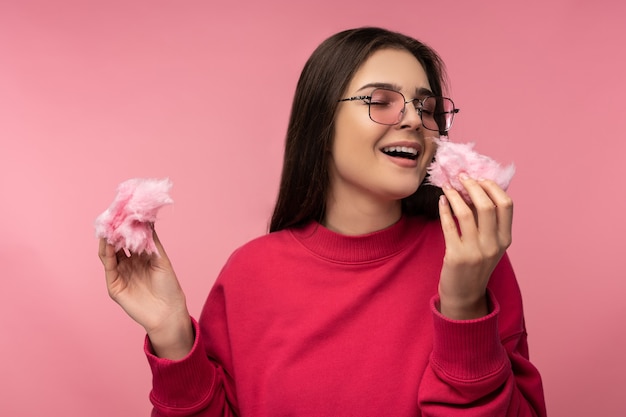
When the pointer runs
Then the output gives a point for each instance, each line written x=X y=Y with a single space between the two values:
x=448 y=225
x=462 y=211
x=101 y=249
x=161 y=255
x=109 y=261
x=157 y=242
x=106 y=253
x=504 y=207
x=484 y=207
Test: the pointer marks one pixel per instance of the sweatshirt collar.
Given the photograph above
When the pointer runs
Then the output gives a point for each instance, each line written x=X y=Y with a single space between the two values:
x=358 y=249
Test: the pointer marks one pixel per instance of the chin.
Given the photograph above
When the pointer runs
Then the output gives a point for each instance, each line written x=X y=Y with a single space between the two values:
x=400 y=193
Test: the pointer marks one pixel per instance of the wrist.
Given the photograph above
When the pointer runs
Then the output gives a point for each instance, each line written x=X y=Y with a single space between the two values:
x=173 y=340
x=463 y=309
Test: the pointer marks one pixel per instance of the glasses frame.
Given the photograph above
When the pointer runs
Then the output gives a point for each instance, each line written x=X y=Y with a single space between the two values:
x=367 y=100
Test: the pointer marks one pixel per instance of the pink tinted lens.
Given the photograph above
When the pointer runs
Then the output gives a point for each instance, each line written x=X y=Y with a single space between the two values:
x=437 y=113
x=386 y=106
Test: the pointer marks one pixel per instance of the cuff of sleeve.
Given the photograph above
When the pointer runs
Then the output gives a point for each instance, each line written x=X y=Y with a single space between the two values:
x=182 y=383
x=468 y=350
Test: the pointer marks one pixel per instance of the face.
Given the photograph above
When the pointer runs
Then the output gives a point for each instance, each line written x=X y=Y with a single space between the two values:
x=375 y=162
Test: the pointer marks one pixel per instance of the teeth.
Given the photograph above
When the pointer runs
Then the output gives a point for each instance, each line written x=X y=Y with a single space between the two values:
x=404 y=149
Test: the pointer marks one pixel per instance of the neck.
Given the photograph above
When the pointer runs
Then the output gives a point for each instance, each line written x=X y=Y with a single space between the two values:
x=359 y=217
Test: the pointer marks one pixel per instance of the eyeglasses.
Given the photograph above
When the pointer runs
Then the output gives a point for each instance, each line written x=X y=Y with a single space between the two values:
x=387 y=107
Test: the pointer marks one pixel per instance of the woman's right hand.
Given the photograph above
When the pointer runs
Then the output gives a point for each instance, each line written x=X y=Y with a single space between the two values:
x=146 y=287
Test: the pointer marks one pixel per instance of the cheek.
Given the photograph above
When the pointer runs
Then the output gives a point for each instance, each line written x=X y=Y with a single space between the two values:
x=355 y=136
x=348 y=125
x=430 y=149
x=349 y=138
x=355 y=122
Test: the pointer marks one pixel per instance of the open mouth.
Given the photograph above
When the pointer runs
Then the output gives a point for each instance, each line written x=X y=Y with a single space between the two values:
x=400 y=152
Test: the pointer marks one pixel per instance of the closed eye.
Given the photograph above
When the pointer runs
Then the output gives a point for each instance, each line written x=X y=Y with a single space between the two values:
x=379 y=103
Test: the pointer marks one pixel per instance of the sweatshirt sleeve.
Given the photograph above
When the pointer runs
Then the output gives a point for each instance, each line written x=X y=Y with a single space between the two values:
x=193 y=386
x=481 y=367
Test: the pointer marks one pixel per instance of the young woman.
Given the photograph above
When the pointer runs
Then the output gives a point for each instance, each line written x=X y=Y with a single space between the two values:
x=373 y=294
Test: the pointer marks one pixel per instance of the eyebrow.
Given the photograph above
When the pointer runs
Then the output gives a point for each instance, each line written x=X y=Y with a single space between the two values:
x=420 y=92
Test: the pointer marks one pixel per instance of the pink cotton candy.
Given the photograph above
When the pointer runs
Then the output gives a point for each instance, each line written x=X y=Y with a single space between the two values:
x=127 y=223
x=452 y=159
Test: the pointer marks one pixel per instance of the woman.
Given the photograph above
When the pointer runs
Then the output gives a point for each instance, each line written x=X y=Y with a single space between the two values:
x=359 y=302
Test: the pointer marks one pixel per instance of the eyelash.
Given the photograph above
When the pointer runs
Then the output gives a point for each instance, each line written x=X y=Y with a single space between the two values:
x=375 y=103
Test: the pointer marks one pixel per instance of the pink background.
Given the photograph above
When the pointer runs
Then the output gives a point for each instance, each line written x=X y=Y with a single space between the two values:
x=93 y=93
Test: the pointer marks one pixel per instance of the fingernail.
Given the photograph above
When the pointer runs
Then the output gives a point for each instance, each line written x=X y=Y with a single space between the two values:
x=463 y=176
x=446 y=186
x=443 y=200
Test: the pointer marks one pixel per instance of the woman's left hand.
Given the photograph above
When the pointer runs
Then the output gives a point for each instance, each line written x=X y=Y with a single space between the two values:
x=473 y=247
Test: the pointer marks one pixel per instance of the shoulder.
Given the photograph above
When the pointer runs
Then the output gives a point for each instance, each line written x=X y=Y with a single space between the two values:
x=259 y=253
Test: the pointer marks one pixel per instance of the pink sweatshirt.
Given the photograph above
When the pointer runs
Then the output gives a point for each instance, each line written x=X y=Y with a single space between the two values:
x=308 y=322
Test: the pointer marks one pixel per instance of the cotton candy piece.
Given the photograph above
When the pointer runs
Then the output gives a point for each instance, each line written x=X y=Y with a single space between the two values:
x=127 y=223
x=452 y=159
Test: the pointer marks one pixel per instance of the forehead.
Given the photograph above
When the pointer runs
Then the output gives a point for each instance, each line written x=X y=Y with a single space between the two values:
x=391 y=66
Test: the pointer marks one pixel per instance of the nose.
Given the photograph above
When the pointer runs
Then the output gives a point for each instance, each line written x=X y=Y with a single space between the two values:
x=411 y=115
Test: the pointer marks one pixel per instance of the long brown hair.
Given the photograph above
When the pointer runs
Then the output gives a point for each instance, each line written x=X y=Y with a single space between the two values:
x=326 y=75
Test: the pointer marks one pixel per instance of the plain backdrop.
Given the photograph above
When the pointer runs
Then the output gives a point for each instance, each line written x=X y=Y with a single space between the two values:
x=96 y=92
